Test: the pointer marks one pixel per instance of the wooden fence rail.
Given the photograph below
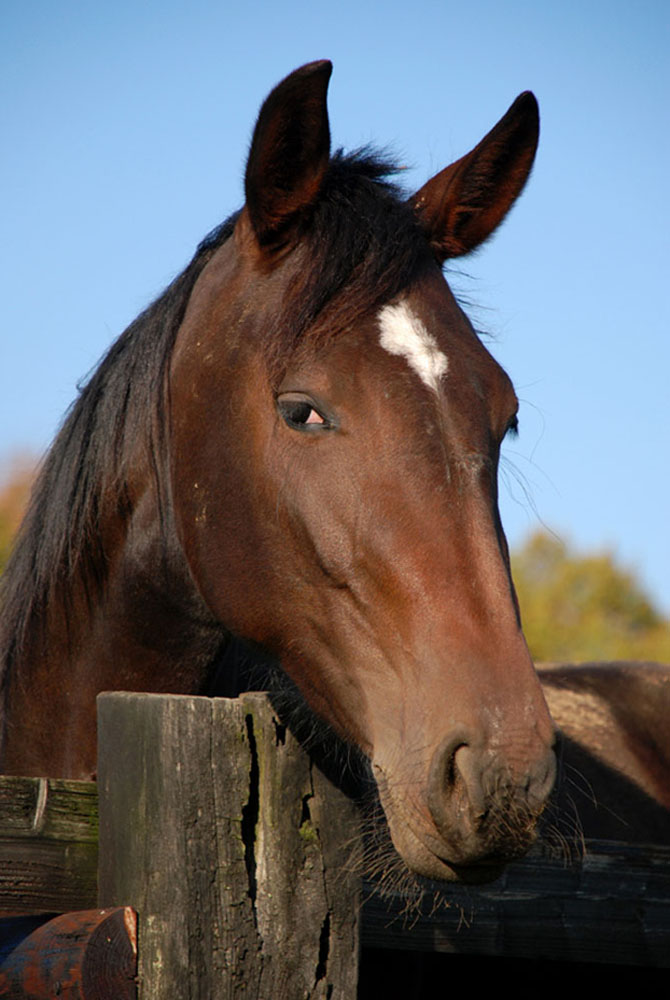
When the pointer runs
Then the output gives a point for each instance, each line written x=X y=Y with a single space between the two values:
x=48 y=845
x=235 y=852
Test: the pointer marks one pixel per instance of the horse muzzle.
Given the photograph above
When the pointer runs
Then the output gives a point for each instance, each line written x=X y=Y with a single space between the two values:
x=478 y=810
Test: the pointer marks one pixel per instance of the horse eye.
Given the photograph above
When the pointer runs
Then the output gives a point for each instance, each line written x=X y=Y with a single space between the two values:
x=512 y=429
x=299 y=413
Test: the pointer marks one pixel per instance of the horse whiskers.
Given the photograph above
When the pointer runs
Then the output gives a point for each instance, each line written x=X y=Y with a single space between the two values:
x=562 y=833
x=585 y=789
x=563 y=846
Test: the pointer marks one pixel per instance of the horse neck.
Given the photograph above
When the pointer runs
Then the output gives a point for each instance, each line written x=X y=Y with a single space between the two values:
x=142 y=628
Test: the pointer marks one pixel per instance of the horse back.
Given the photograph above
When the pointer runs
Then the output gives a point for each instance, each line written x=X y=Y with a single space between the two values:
x=614 y=747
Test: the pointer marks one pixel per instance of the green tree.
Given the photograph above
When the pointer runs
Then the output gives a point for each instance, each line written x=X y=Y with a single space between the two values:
x=585 y=607
x=14 y=492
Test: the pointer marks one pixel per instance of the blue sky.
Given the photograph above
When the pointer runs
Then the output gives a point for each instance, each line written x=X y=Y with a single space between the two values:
x=125 y=129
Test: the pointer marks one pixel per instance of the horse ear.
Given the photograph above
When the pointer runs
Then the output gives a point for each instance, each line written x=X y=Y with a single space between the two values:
x=289 y=153
x=463 y=204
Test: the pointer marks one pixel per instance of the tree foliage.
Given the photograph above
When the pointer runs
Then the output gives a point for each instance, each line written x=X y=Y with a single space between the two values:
x=14 y=492
x=585 y=607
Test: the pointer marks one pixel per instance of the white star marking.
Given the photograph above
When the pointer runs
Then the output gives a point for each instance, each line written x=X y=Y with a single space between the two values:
x=404 y=334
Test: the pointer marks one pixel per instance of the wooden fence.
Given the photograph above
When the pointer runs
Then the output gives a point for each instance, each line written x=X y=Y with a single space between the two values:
x=235 y=852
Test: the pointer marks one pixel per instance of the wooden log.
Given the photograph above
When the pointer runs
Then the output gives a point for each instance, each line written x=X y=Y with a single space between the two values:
x=48 y=845
x=233 y=848
x=90 y=955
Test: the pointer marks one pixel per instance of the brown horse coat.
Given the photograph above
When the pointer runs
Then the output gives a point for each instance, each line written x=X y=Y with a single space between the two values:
x=614 y=748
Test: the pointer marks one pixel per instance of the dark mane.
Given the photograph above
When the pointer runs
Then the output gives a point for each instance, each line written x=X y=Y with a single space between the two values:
x=361 y=236
x=121 y=404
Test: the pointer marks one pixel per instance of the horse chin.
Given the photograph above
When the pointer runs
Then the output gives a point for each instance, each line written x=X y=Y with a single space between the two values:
x=425 y=862
x=472 y=858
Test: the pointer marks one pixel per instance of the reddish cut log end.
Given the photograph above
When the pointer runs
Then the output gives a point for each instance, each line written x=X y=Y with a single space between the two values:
x=86 y=955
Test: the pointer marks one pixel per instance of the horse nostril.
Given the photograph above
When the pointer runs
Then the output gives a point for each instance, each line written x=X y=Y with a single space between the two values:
x=451 y=773
x=467 y=767
x=469 y=791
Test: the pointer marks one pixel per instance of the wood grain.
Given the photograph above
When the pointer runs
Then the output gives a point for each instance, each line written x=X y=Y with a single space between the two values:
x=48 y=845
x=217 y=829
x=90 y=955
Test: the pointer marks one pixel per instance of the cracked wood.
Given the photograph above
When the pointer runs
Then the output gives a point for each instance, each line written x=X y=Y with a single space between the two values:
x=218 y=829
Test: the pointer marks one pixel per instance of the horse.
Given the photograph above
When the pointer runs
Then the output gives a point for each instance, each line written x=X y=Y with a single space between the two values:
x=296 y=445
x=613 y=748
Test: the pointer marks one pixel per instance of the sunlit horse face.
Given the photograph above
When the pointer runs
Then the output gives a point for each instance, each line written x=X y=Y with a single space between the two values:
x=336 y=498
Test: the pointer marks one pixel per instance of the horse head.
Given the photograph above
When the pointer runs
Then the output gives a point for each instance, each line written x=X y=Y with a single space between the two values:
x=335 y=427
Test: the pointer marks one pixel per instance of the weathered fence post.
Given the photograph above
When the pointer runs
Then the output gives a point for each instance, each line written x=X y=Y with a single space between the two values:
x=233 y=848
